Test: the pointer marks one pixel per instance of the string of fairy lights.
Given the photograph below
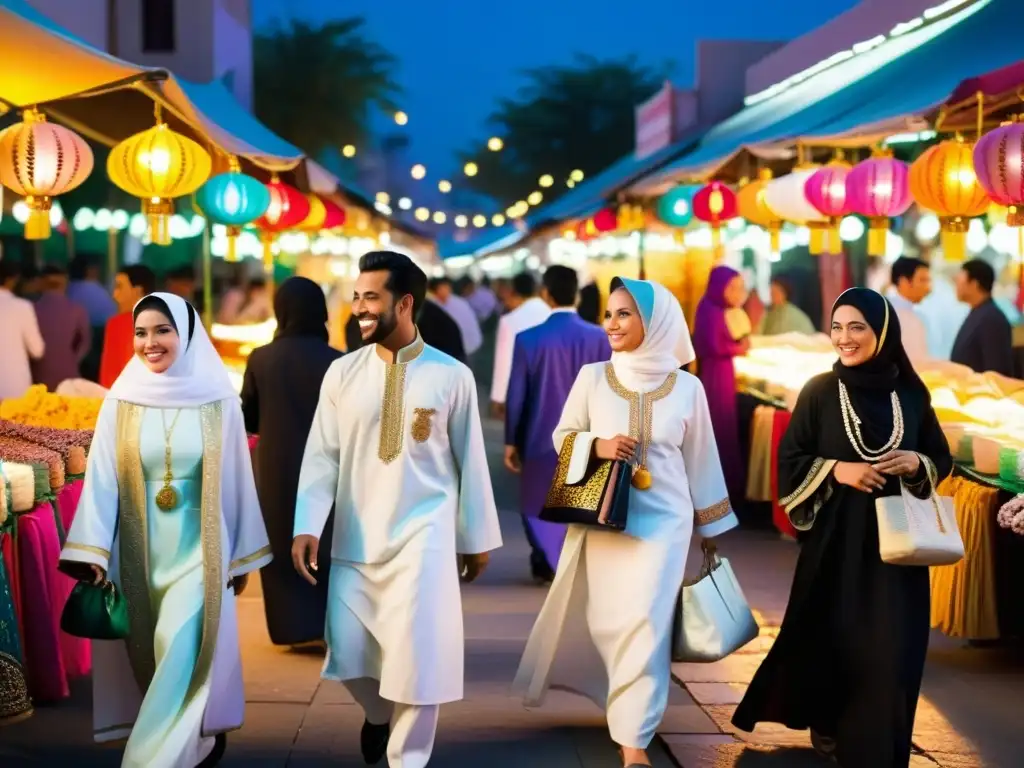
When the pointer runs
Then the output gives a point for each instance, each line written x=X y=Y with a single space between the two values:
x=424 y=214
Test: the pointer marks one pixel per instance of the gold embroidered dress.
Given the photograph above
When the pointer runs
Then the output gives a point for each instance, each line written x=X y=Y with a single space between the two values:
x=605 y=628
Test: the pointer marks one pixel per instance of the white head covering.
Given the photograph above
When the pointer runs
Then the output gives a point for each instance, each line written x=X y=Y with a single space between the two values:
x=195 y=378
x=666 y=345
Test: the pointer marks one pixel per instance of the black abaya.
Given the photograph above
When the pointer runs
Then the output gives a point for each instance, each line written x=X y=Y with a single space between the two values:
x=280 y=392
x=850 y=654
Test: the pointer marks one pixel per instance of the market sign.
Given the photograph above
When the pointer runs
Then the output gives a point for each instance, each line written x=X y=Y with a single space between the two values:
x=654 y=122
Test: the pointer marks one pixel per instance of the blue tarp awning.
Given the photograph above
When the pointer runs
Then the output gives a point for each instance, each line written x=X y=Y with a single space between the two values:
x=905 y=76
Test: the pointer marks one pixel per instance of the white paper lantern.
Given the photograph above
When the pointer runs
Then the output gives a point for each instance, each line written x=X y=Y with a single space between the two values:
x=785 y=197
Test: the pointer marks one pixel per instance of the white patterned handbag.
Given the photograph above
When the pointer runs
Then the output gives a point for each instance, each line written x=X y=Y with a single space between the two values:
x=913 y=531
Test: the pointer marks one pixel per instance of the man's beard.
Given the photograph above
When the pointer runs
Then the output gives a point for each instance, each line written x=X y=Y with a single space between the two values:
x=386 y=323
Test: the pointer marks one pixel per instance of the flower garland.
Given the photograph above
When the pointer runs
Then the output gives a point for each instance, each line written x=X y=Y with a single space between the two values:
x=1011 y=515
x=13 y=449
x=69 y=443
x=40 y=408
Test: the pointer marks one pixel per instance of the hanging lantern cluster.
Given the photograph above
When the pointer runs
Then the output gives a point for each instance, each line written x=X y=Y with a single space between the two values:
x=786 y=197
x=751 y=206
x=233 y=199
x=825 y=189
x=999 y=164
x=40 y=160
x=630 y=218
x=879 y=189
x=715 y=204
x=158 y=165
x=943 y=180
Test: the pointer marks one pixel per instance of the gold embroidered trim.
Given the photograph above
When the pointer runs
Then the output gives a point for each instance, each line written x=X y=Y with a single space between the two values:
x=133 y=551
x=211 y=418
x=817 y=465
x=392 y=414
x=712 y=514
x=818 y=473
x=87 y=548
x=392 y=409
x=244 y=561
x=640 y=402
x=14 y=698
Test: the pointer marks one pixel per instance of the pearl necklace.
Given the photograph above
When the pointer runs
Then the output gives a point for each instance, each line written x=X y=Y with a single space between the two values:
x=852 y=422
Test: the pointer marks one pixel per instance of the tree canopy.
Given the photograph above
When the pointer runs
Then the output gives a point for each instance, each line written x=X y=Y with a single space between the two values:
x=316 y=85
x=564 y=118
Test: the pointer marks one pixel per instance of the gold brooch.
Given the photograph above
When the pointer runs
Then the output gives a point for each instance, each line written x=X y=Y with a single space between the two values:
x=421 y=424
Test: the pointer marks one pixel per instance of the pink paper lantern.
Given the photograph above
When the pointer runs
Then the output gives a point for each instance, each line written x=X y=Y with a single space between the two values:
x=999 y=165
x=879 y=188
x=825 y=189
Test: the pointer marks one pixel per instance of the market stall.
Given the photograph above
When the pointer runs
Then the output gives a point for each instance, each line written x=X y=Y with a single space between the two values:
x=982 y=416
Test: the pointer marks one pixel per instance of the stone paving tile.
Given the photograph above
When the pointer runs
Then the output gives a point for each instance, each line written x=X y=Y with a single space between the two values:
x=717 y=693
x=765 y=733
x=738 y=668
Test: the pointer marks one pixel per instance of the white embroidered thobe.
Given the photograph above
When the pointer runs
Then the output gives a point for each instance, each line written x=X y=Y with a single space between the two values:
x=605 y=628
x=398 y=450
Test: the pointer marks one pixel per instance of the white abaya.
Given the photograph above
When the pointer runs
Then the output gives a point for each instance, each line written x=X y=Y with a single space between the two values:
x=605 y=628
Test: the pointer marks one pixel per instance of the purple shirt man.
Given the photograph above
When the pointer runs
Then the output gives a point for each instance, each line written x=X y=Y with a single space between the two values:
x=545 y=363
x=65 y=328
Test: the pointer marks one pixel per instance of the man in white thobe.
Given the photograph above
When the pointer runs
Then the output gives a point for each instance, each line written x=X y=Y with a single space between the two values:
x=20 y=338
x=911 y=283
x=397 y=449
x=460 y=310
x=526 y=310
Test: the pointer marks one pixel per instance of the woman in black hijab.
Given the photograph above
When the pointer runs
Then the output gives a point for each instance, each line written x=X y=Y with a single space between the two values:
x=849 y=657
x=279 y=396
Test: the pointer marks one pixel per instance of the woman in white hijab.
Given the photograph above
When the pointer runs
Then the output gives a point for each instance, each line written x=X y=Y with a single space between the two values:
x=616 y=591
x=169 y=514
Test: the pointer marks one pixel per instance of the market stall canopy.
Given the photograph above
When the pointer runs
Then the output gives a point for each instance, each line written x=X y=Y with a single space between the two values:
x=884 y=86
x=40 y=61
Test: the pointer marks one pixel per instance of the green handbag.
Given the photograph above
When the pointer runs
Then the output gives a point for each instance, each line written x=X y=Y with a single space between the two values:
x=95 y=611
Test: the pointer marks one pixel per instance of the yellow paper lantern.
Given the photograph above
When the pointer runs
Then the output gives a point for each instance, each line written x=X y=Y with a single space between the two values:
x=752 y=207
x=158 y=165
x=40 y=160
x=943 y=180
x=316 y=217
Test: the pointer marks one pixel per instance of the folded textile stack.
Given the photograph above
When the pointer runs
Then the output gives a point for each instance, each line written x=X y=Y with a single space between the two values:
x=69 y=443
x=13 y=449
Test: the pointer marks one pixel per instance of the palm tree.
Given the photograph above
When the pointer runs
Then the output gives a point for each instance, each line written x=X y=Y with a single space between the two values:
x=315 y=86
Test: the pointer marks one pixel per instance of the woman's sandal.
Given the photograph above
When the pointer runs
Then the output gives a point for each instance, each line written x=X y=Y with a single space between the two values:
x=622 y=756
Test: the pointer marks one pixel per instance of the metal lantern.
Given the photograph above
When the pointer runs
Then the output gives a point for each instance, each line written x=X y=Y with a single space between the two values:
x=233 y=200
x=825 y=189
x=158 y=165
x=786 y=196
x=675 y=207
x=879 y=189
x=999 y=165
x=751 y=206
x=40 y=160
x=943 y=180
x=715 y=204
x=287 y=210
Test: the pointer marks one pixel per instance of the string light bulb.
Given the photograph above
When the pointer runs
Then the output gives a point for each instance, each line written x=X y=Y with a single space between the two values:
x=461 y=220
x=383 y=198
x=471 y=169
x=422 y=214
x=570 y=183
x=405 y=203
x=444 y=185
x=439 y=217
x=480 y=220
x=576 y=175
x=418 y=171
x=546 y=180
x=495 y=144
x=497 y=220
x=349 y=150
x=535 y=198
x=401 y=118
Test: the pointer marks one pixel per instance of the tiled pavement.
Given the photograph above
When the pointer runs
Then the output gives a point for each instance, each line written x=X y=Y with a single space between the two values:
x=969 y=716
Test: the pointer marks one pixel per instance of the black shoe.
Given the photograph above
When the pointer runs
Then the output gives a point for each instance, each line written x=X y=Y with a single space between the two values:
x=540 y=570
x=373 y=740
x=220 y=745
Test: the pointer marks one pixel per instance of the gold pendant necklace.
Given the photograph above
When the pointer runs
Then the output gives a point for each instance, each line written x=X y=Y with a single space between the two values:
x=167 y=497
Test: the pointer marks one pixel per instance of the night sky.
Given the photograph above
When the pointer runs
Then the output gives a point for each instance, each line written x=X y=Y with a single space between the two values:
x=459 y=56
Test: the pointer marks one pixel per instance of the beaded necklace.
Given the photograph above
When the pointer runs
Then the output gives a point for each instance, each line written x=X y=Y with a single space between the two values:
x=852 y=422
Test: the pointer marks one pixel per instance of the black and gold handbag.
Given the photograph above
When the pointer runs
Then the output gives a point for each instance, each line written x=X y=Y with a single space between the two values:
x=599 y=499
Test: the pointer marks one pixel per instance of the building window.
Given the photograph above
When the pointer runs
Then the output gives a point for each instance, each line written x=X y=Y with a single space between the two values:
x=158 y=26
